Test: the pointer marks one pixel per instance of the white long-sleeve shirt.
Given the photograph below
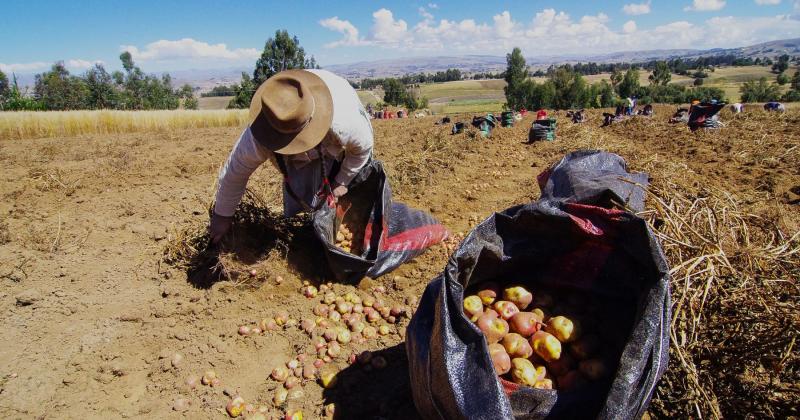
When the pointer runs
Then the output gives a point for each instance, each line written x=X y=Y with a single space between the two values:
x=349 y=139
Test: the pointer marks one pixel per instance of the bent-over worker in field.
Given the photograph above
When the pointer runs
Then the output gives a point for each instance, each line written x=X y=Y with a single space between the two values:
x=311 y=125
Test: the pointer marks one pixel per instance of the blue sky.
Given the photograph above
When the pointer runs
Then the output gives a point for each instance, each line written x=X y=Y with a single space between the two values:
x=175 y=35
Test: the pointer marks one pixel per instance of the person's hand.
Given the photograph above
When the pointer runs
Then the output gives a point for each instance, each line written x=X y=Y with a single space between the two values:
x=219 y=226
x=339 y=191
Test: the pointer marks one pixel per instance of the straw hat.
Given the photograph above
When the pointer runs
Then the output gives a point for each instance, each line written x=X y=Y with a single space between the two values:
x=291 y=112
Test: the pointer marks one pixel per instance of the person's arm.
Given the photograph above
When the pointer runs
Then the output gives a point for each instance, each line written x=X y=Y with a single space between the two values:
x=357 y=141
x=246 y=156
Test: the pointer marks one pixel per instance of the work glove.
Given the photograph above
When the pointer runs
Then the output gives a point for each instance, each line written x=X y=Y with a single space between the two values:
x=219 y=226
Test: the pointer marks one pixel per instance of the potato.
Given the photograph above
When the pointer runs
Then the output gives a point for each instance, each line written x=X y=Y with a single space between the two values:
x=524 y=372
x=517 y=346
x=570 y=381
x=494 y=329
x=559 y=367
x=525 y=323
x=500 y=358
x=506 y=309
x=563 y=328
x=518 y=295
x=546 y=346
x=473 y=306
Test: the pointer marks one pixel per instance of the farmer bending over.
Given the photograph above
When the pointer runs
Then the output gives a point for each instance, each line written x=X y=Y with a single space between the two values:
x=311 y=125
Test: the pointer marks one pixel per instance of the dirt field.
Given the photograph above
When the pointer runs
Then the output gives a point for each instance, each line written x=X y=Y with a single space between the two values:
x=93 y=315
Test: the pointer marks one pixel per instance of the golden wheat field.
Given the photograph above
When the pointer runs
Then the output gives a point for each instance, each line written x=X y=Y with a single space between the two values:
x=103 y=218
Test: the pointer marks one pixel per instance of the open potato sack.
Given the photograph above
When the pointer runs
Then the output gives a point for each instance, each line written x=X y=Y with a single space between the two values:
x=383 y=234
x=596 y=265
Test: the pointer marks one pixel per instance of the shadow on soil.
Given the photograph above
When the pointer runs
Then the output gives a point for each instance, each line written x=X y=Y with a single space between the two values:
x=362 y=392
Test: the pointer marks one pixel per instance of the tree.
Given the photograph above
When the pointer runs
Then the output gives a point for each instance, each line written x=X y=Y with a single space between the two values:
x=606 y=96
x=698 y=82
x=616 y=78
x=796 y=81
x=280 y=53
x=781 y=65
x=127 y=61
x=759 y=91
x=102 y=93
x=629 y=84
x=58 y=90
x=394 y=92
x=243 y=93
x=661 y=74
x=783 y=79
x=516 y=80
x=190 y=102
x=5 y=89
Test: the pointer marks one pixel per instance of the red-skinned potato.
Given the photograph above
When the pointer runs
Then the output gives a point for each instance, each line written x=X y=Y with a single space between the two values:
x=506 y=309
x=563 y=328
x=517 y=346
x=473 y=306
x=500 y=358
x=584 y=347
x=492 y=327
x=570 y=381
x=594 y=369
x=489 y=293
x=546 y=346
x=524 y=373
x=564 y=364
x=525 y=323
x=518 y=295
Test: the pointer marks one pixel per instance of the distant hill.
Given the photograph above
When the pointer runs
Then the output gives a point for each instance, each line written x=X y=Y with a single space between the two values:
x=205 y=79
x=485 y=63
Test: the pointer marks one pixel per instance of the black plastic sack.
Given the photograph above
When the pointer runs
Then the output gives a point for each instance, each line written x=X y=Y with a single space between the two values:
x=393 y=232
x=555 y=242
x=704 y=116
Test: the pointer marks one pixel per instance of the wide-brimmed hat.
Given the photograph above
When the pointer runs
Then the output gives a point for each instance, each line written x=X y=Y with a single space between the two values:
x=291 y=112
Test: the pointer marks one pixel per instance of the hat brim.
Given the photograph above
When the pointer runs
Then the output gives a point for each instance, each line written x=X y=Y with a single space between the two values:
x=307 y=138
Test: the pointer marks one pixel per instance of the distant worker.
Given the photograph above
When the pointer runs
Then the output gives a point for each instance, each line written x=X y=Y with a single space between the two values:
x=737 y=108
x=631 y=102
x=774 y=107
x=541 y=114
x=311 y=125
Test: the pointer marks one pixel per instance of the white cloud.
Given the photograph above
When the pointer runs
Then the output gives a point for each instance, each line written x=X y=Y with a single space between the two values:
x=555 y=32
x=636 y=9
x=24 y=67
x=343 y=26
x=188 y=48
x=433 y=6
x=705 y=5
x=503 y=25
x=768 y=2
x=78 y=64
x=386 y=29
x=75 y=65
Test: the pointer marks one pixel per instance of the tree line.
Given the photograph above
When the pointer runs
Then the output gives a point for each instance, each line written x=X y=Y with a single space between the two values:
x=448 y=75
x=566 y=88
x=131 y=89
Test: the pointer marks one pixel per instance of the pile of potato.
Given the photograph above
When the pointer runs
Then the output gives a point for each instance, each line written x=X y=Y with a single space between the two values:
x=344 y=239
x=530 y=343
x=343 y=324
